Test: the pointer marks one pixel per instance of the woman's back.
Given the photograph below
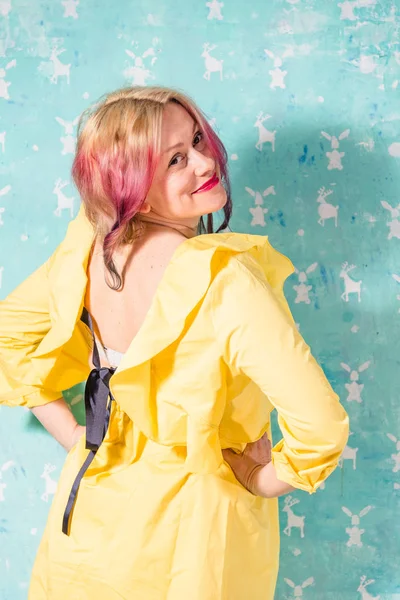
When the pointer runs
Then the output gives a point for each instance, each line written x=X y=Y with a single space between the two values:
x=118 y=315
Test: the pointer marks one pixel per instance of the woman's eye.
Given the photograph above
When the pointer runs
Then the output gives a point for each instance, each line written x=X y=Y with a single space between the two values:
x=172 y=163
x=198 y=134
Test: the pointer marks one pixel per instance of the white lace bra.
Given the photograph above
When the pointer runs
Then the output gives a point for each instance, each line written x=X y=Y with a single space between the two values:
x=113 y=357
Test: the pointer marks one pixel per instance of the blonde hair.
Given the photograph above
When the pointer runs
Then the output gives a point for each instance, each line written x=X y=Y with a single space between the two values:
x=117 y=152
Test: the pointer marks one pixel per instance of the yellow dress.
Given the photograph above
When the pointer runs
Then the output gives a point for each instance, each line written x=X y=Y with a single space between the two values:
x=159 y=515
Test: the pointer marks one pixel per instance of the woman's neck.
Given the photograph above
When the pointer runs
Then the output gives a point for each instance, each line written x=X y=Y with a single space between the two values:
x=185 y=230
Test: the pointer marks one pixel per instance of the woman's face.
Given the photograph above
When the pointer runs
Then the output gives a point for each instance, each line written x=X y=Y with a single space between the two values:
x=182 y=169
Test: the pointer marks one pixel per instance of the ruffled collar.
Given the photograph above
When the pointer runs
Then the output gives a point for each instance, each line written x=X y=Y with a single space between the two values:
x=175 y=298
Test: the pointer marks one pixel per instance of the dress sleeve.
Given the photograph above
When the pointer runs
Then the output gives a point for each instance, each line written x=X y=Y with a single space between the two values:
x=24 y=321
x=260 y=339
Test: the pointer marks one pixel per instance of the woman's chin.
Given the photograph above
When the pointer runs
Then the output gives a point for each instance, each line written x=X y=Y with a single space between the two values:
x=221 y=199
x=215 y=201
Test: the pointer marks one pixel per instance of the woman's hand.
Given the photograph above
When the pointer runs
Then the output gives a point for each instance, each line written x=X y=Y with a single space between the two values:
x=246 y=466
x=77 y=433
x=255 y=471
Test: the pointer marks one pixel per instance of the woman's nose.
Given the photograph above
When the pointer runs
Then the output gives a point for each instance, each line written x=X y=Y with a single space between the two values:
x=203 y=164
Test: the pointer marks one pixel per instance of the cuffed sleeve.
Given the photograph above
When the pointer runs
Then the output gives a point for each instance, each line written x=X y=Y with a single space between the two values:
x=24 y=321
x=260 y=339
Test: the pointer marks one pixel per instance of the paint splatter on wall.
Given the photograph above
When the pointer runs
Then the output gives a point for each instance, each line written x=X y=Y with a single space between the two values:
x=305 y=95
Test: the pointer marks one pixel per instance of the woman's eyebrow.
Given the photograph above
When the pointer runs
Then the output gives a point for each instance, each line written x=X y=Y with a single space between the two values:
x=180 y=143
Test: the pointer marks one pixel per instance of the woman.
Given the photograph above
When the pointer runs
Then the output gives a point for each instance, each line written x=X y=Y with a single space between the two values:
x=187 y=343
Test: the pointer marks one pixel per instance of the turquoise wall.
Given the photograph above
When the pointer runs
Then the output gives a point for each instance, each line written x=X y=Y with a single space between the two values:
x=305 y=95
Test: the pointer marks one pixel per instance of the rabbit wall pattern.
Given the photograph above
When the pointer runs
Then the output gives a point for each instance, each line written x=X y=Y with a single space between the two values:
x=305 y=95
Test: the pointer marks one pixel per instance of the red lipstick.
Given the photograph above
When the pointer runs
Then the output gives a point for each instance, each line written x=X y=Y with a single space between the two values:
x=208 y=184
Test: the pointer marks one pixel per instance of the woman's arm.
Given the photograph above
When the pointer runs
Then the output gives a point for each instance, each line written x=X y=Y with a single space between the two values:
x=259 y=339
x=59 y=421
x=24 y=321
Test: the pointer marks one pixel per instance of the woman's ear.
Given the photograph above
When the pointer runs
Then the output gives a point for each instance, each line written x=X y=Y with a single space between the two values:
x=145 y=208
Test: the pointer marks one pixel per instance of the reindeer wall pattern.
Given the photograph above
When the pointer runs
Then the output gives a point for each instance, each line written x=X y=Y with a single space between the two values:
x=305 y=96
